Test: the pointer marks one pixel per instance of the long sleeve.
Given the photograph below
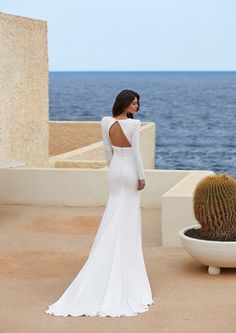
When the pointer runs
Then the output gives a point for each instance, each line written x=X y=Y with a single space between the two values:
x=136 y=149
x=106 y=142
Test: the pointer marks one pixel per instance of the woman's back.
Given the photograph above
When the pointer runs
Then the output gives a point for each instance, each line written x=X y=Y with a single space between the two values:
x=123 y=133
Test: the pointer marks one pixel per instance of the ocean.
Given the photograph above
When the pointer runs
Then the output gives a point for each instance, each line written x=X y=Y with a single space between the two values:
x=194 y=112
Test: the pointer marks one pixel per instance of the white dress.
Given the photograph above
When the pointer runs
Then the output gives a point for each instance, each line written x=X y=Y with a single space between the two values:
x=113 y=281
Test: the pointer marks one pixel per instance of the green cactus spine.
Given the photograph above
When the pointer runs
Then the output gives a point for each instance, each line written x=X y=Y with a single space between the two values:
x=214 y=204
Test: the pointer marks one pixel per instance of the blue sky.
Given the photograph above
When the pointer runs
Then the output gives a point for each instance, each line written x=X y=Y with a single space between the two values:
x=135 y=34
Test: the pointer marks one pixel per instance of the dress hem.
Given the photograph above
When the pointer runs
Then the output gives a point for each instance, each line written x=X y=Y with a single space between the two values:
x=100 y=313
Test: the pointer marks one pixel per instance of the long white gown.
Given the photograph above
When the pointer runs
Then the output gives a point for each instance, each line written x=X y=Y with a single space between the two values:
x=113 y=281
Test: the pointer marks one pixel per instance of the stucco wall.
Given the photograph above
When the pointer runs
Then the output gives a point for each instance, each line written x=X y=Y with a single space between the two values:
x=82 y=145
x=65 y=136
x=23 y=90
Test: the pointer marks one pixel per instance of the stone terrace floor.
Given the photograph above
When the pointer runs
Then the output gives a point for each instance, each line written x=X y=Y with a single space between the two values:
x=43 y=248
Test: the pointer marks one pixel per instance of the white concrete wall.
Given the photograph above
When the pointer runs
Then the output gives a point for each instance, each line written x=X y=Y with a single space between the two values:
x=172 y=190
x=76 y=187
x=177 y=207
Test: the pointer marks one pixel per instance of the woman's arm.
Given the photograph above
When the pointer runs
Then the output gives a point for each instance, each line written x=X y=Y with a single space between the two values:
x=106 y=142
x=136 y=149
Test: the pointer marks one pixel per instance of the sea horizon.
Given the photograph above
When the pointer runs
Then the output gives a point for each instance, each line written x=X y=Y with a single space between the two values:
x=194 y=111
x=143 y=71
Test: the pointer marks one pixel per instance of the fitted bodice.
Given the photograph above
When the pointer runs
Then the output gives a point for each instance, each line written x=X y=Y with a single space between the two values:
x=130 y=128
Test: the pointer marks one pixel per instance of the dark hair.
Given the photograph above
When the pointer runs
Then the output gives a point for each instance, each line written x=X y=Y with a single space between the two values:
x=123 y=100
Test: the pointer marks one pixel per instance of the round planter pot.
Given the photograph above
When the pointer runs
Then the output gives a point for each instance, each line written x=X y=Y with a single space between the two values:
x=214 y=254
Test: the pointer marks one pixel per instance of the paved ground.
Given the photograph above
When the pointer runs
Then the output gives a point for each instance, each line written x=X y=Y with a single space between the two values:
x=43 y=248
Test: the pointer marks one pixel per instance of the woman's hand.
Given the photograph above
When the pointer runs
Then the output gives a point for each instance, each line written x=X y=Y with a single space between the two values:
x=141 y=184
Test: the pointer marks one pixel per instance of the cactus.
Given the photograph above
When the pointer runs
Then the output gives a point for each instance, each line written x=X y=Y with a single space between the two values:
x=214 y=205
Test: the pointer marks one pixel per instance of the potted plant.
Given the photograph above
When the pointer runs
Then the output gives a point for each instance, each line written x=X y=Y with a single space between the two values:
x=213 y=241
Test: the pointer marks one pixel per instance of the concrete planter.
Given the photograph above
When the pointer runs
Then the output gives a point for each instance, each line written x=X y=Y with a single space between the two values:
x=215 y=254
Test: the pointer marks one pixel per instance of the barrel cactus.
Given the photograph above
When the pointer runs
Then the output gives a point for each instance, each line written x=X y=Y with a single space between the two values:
x=214 y=204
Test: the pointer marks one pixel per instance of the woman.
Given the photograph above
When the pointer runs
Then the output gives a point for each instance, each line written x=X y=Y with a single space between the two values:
x=113 y=281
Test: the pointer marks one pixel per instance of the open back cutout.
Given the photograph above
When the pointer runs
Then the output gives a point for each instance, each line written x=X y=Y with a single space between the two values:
x=117 y=136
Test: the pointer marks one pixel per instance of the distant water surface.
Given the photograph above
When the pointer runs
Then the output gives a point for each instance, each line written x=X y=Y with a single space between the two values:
x=194 y=112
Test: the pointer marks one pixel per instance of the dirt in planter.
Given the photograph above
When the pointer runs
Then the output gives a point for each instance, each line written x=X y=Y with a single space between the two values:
x=193 y=233
x=196 y=233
